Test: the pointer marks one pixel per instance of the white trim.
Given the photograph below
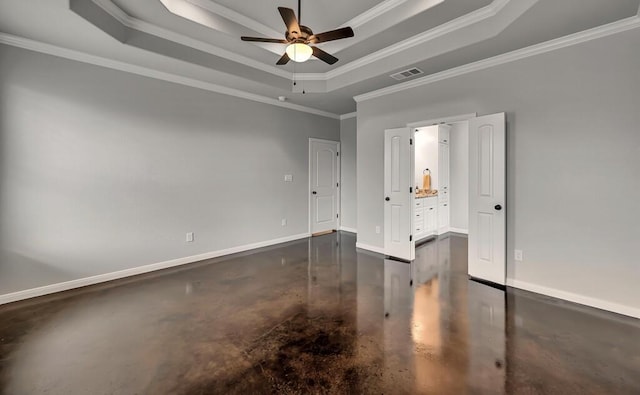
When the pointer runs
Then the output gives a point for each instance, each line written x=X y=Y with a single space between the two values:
x=49 y=49
x=370 y=248
x=548 y=46
x=323 y=140
x=372 y=13
x=459 y=230
x=449 y=119
x=227 y=13
x=101 y=278
x=309 y=76
x=133 y=23
x=350 y=230
x=575 y=298
x=439 y=31
x=348 y=115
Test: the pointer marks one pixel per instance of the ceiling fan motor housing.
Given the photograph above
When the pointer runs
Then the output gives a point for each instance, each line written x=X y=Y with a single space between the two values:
x=302 y=36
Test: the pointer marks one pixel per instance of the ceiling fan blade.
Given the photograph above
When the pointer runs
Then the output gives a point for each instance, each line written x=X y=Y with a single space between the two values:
x=264 y=40
x=289 y=18
x=331 y=35
x=283 y=60
x=324 y=56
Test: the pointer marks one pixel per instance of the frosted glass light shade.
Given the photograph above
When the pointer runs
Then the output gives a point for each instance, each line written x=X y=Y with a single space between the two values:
x=299 y=52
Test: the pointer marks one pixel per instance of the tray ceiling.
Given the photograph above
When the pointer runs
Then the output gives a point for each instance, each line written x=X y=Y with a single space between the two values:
x=199 y=39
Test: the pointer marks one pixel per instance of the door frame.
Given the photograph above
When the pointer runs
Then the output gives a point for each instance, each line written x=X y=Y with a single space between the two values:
x=339 y=187
x=437 y=121
x=454 y=119
x=434 y=122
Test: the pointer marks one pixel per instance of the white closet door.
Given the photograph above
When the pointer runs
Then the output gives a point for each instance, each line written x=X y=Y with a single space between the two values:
x=398 y=193
x=324 y=185
x=487 y=198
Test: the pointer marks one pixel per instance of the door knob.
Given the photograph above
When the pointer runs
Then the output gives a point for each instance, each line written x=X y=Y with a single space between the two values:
x=498 y=207
x=387 y=198
x=314 y=192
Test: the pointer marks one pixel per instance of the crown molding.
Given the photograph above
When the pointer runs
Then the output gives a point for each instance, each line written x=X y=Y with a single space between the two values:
x=373 y=13
x=133 y=23
x=347 y=116
x=446 y=28
x=537 y=49
x=233 y=16
x=309 y=76
x=83 y=57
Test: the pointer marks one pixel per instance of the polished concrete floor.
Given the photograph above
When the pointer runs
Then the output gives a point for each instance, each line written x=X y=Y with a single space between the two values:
x=315 y=316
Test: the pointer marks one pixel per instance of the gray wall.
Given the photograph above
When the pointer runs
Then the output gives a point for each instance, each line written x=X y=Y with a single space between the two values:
x=348 y=170
x=573 y=161
x=102 y=170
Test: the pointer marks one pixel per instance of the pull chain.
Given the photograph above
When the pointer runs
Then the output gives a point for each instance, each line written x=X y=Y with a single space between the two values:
x=294 y=77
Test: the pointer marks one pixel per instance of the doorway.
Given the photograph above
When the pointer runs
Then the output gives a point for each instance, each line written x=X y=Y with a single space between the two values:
x=324 y=186
x=483 y=212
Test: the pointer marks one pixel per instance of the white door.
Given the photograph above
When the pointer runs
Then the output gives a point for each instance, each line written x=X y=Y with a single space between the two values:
x=324 y=186
x=398 y=193
x=487 y=198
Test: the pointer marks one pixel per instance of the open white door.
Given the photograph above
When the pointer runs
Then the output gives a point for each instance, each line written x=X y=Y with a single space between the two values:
x=324 y=188
x=487 y=198
x=398 y=193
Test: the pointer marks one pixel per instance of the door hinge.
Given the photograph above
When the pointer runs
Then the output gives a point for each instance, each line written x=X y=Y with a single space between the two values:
x=410 y=141
x=337 y=215
x=410 y=237
x=410 y=189
x=337 y=184
x=337 y=153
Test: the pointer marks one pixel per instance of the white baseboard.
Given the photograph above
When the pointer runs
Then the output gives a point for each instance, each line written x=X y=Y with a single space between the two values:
x=370 y=248
x=576 y=298
x=101 y=278
x=350 y=230
x=459 y=230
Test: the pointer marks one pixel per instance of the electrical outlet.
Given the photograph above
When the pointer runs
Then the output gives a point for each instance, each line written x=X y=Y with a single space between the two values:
x=288 y=177
x=378 y=229
x=284 y=222
x=190 y=237
x=517 y=255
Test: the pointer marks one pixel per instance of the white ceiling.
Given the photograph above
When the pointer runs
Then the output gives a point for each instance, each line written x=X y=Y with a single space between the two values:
x=198 y=40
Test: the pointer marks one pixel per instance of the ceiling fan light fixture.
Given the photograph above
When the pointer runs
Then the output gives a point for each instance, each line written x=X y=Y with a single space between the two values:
x=299 y=52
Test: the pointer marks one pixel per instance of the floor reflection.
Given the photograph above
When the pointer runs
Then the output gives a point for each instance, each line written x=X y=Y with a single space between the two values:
x=315 y=316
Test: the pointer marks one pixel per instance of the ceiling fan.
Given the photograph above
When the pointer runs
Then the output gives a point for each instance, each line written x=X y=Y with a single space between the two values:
x=299 y=37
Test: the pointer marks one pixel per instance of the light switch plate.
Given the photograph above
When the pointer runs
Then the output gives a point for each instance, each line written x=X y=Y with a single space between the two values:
x=288 y=177
x=190 y=237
